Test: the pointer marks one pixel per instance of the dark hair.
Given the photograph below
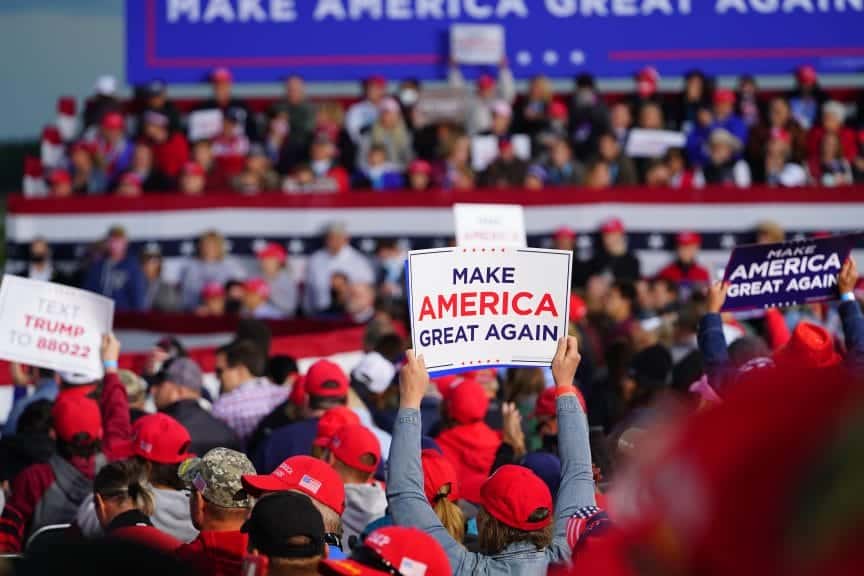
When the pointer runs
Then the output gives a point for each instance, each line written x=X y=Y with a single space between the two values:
x=81 y=446
x=627 y=291
x=45 y=373
x=162 y=474
x=687 y=371
x=256 y=331
x=390 y=346
x=670 y=285
x=326 y=402
x=279 y=367
x=247 y=353
x=36 y=419
x=585 y=80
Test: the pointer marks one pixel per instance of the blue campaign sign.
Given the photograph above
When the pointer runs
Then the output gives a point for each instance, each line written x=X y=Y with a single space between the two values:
x=264 y=40
x=786 y=274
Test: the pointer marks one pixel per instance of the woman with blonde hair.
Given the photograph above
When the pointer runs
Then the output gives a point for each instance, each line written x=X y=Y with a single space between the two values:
x=442 y=490
x=210 y=266
x=124 y=504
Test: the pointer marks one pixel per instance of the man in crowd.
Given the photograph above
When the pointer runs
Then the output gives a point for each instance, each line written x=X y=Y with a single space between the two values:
x=614 y=257
x=117 y=274
x=247 y=395
x=355 y=454
x=325 y=387
x=317 y=480
x=361 y=115
x=177 y=393
x=222 y=82
x=292 y=548
x=337 y=255
x=219 y=506
x=685 y=269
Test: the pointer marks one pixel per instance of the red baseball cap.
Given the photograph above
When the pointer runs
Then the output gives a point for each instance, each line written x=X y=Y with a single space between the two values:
x=688 y=239
x=305 y=474
x=76 y=414
x=257 y=286
x=272 y=250
x=558 y=109
x=724 y=96
x=517 y=497
x=612 y=226
x=408 y=551
x=193 y=168
x=467 y=402
x=565 y=232
x=485 y=82
x=376 y=80
x=807 y=75
x=810 y=346
x=51 y=135
x=578 y=309
x=326 y=379
x=420 y=167
x=160 y=438
x=212 y=290
x=331 y=422
x=354 y=441
x=113 y=121
x=438 y=472
x=60 y=177
x=221 y=75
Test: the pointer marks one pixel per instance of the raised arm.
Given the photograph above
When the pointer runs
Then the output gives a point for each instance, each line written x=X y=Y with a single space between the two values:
x=851 y=316
x=113 y=404
x=712 y=342
x=577 y=478
x=408 y=504
x=506 y=83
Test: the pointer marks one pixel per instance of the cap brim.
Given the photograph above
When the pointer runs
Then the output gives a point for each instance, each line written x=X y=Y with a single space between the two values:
x=351 y=568
x=263 y=483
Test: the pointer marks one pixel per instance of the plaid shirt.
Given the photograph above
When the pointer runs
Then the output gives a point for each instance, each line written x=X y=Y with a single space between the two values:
x=244 y=407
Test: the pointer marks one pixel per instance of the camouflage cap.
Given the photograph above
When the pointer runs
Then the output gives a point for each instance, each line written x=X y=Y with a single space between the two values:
x=217 y=475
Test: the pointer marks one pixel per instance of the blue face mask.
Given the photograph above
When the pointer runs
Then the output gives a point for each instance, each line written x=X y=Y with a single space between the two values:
x=393 y=268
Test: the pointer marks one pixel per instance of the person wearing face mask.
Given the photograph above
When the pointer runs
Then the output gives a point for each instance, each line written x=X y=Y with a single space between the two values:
x=328 y=175
x=117 y=275
x=40 y=267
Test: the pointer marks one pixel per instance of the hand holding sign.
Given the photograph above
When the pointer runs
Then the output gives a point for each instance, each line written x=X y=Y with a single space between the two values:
x=848 y=276
x=413 y=381
x=566 y=361
x=110 y=352
x=717 y=296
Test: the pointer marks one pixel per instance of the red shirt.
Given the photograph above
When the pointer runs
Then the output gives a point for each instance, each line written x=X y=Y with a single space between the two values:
x=693 y=274
x=471 y=448
x=216 y=553
x=170 y=156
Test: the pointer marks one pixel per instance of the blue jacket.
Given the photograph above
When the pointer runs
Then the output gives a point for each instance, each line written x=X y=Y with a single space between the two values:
x=292 y=440
x=697 y=140
x=46 y=389
x=712 y=344
x=409 y=507
x=121 y=281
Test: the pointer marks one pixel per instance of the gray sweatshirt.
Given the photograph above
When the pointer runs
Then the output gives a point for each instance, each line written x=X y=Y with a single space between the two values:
x=409 y=507
x=171 y=514
x=364 y=503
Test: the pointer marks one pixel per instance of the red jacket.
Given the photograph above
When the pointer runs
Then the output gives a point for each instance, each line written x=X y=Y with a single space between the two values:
x=848 y=144
x=216 y=553
x=38 y=497
x=471 y=448
x=693 y=274
x=170 y=156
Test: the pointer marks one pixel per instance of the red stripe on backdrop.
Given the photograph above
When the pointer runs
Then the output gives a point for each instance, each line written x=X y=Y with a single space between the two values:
x=296 y=345
x=187 y=324
x=559 y=196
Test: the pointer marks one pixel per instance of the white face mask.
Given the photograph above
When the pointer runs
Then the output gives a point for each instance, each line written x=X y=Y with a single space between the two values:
x=320 y=167
x=409 y=96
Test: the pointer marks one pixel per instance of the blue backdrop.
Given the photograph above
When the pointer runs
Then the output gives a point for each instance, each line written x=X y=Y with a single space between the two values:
x=263 y=40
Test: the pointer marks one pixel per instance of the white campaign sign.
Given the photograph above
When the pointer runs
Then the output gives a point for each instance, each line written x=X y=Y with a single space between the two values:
x=476 y=307
x=497 y=225
x=53 y=326
x=477 y=43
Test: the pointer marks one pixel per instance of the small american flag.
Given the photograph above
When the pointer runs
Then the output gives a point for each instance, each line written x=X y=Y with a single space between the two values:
x=310 y=483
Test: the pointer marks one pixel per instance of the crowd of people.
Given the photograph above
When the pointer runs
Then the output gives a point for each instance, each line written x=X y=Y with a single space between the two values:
x=494 y=139
x=380 y=469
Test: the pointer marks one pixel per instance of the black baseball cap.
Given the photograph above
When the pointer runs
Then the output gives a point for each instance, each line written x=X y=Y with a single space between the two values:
x=270 y=533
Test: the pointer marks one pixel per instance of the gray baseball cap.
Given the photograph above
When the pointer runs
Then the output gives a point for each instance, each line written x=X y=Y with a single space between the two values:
x=184 y=372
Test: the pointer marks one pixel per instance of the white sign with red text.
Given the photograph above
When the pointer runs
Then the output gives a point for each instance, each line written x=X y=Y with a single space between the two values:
x=499 y=225
x=485 y=306
x=477 y=43
x=53 y=326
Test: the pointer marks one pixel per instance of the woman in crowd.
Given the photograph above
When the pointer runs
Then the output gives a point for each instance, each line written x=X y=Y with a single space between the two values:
x=210 y=266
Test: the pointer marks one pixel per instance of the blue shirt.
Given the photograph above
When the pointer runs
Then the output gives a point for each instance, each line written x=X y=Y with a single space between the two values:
x=121 y=281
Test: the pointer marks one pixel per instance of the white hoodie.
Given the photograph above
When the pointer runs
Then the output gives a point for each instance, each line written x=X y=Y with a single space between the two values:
x=364 y=503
